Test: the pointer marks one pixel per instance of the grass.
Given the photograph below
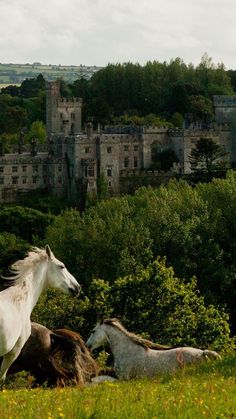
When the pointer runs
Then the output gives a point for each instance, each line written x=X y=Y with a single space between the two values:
x=207 y=391
x=8 y=84
x=23 y=71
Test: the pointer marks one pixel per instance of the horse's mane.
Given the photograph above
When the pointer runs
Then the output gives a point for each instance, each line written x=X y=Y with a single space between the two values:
x=145 y=343
x=20 y=268
x=71 y=358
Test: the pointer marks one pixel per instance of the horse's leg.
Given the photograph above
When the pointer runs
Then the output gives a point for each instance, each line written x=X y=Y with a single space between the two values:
x=7 y=361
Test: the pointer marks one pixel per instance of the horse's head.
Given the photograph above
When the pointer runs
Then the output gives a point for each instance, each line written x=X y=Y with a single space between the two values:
x=97 y=337
x=59 y=277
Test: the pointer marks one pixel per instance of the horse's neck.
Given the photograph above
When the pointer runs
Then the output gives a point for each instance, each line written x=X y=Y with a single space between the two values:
x=120 y=343
x=32 y=287
x=38 y=282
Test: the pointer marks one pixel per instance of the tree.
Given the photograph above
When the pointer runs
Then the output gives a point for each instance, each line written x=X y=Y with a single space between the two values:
x=169 y=310
x=205 y=159
x=177 y=120
x=24 y=222
x=37 y=130
x=164 y=160
x=12 y=248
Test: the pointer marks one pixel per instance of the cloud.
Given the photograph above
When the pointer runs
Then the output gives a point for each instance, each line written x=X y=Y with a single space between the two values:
x=101 y=31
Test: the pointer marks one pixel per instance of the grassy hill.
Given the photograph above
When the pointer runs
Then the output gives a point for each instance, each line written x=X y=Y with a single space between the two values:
x=16 y=73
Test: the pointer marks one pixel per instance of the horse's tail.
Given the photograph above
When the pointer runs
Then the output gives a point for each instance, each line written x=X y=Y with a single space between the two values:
x=211 y=354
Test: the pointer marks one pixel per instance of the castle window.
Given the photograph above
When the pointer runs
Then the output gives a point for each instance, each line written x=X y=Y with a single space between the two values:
x=87 y=149
x=135 y=161
x=35 y=168
x=1 y=180
x=59 y=168
x=89 y=171
x=109 y=171
x=135 y=147
x=35 y=179
x=14 y=169
x=44 y=168
x=91 y=184
x=109 y=150
x=45 y=179
x=24 y=168
x=1 y=169
x=126 y=147
x=72 y=116
x=126 y=162
x=14 y=180
x=60 y=180
x=61 y=115
x=24 y=180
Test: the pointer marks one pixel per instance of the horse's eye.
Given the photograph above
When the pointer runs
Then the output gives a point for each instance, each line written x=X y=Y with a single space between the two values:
x=62 y=266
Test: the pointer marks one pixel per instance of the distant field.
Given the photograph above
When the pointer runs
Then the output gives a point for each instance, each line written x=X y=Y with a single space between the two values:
x=2 y=85
x=16 y=73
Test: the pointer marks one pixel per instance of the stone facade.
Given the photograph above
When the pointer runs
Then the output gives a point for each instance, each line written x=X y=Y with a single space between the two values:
x=75 y=160
x=225 y=108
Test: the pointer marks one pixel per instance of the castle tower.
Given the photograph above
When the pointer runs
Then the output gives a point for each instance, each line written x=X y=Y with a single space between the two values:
x=63 y=115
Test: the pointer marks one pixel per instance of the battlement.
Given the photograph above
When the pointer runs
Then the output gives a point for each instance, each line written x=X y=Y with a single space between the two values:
x=154 y=130
x=224 y=101
x=69 y=101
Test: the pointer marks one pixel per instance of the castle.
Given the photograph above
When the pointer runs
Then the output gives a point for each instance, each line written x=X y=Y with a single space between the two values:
x=74 y=161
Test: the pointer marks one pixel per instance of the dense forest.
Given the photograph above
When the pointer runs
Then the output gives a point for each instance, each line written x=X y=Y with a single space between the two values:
x=155 y=93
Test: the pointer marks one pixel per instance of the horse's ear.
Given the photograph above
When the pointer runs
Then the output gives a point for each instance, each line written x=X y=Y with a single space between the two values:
x=100 y=318
x=48 y=251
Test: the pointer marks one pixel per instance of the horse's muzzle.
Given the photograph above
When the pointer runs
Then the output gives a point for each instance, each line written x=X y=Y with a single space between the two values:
x=75 y=291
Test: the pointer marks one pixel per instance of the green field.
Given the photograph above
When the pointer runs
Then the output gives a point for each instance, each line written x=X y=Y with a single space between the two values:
x=207 y=391
x=16 y=73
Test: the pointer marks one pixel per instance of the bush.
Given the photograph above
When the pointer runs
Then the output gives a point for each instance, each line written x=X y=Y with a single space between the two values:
x=169 y=310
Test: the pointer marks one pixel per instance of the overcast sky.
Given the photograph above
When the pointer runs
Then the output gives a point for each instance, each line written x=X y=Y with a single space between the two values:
x=98 y=32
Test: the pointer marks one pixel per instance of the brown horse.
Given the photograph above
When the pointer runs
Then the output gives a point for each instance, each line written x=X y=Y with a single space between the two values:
x=57 y=357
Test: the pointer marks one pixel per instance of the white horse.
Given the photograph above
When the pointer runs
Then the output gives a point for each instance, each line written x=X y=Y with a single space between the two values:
x=38 y=271
x=135 y=357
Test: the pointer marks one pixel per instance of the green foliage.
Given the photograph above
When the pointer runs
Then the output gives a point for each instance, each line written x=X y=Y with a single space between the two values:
x=168 y=309
x=148 y=120
x=164 y=160
x=103 y=243
x=200 y=105
x=12 y=248
x=27 y=223
x=177 y=120
x=13 y=116
x=194 y=228
x=37 y=131
x=43 y=201
x=102 y=186
x=56 y=310
x=205 y=160
x=8 y=140
x=32 y=87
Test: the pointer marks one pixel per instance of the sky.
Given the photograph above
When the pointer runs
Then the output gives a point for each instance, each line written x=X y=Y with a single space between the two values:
x=98 y=32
